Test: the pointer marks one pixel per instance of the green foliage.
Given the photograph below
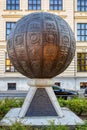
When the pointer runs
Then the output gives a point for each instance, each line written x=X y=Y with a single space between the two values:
x=19 y=126
x=59 y=127
x=7 y=104
x=77 y=105
x=83 y=127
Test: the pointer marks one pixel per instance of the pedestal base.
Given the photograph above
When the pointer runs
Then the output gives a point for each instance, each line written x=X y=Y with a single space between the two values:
x=69 y=118
x=40 y=101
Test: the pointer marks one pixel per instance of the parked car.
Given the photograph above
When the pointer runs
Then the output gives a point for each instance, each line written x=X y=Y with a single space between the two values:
x=60 y=92
x=85 y=93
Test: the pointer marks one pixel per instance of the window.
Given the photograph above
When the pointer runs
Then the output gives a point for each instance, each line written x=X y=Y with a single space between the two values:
x=83 y=85
x=9 y=26
x=11 y=86
x=82 y=5
x=9 y=67
x=56 y=88
x=55 y=4
x=34 y=4
x=82 y=62
x=12 y=4
x=82 y=31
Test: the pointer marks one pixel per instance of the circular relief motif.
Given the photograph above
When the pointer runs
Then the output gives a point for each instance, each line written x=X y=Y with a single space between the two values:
x=34 y=38
x=66 y=39
x=50 y=38
x=73 y=44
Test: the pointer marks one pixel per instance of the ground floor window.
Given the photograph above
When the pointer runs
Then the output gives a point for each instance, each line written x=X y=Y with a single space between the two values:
x=11 y=86
x=83 y=85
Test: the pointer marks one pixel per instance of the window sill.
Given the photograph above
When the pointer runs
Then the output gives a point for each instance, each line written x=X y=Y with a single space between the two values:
x=56 y=10
x=10 y=72
x=34 y=10
x=81 y=41
x=82 y=44
x=80 y=15
x=81 y=71
x=80 y=11
x=13 y=10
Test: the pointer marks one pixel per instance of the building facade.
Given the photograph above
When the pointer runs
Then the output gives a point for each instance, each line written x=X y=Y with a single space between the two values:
x=72 y=11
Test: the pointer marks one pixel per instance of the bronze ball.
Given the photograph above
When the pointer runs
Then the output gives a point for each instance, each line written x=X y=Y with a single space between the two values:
x=41 y=45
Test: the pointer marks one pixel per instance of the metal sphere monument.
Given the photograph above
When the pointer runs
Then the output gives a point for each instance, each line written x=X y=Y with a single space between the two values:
x=41 y=46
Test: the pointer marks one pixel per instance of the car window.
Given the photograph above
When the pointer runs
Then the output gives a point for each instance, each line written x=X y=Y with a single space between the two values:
x=55 y=87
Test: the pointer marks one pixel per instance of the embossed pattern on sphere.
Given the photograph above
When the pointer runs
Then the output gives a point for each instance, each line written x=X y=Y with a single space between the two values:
x=41 y=45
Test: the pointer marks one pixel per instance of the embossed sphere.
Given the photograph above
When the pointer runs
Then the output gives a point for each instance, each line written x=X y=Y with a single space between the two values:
x=41 y=45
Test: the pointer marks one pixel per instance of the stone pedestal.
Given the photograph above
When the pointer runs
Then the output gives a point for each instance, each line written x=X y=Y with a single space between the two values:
x=40 y=100
x=40 y=107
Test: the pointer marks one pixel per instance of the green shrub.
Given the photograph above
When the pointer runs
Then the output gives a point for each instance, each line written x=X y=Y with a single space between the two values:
x=77 y=105
x=53 y=127
x=19 y=126
x=7 y=104
x=83 y=127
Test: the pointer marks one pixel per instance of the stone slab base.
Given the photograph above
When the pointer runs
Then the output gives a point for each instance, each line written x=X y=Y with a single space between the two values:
x=69 y=119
